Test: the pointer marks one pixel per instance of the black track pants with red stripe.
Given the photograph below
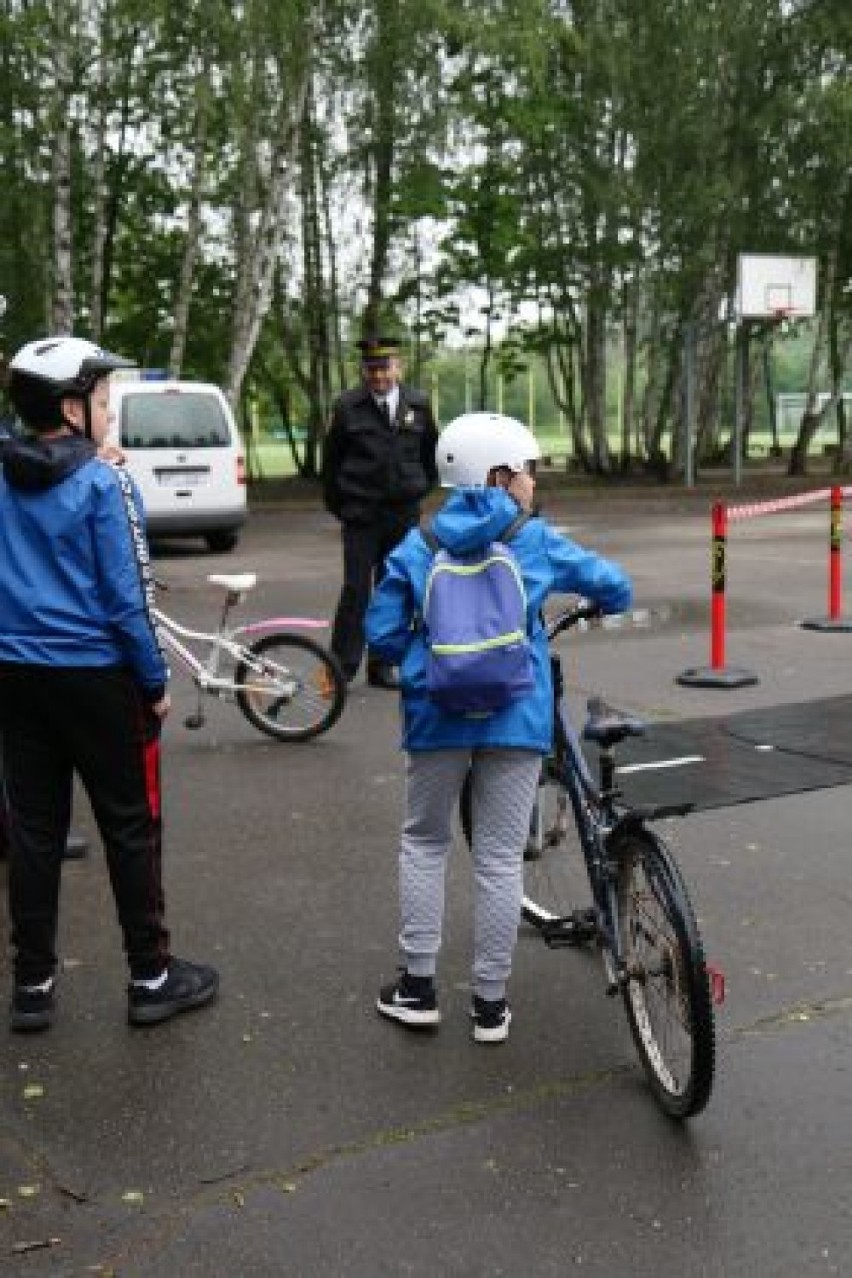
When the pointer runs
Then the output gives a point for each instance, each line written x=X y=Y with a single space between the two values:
x=92 y=721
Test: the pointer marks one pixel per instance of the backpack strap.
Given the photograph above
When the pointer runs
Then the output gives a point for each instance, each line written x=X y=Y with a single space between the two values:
x=513 y=528
x=431 y=540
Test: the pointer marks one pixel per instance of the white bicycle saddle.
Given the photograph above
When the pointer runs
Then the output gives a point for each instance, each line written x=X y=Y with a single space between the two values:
x=238 y=582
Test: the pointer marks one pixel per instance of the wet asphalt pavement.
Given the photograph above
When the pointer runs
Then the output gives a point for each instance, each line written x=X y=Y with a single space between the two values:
x=290 y=1131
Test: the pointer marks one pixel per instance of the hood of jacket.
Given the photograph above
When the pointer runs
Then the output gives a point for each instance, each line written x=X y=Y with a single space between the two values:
x=33 y=465
x=472 y=517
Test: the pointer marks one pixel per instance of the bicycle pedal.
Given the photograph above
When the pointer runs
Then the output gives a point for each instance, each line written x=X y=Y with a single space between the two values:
x=570 y=932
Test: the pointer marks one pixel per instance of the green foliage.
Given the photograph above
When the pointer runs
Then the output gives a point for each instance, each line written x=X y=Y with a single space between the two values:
x=536 y=174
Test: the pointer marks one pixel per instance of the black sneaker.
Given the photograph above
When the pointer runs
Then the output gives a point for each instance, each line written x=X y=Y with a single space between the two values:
x=32 y=1009
x=411 y=1000
x=187 y=986
x=490 y=1020
x=382 y=676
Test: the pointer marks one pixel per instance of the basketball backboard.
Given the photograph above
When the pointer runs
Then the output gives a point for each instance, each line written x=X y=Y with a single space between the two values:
x=769 y=286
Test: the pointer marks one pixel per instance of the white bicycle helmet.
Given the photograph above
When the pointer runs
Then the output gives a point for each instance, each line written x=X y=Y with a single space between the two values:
x=65 y=365
x=472 y=445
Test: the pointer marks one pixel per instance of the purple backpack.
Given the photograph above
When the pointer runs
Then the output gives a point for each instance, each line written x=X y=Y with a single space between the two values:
x=475 y=626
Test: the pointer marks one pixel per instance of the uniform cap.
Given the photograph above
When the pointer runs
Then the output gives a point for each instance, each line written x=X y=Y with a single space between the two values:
x=376 y=350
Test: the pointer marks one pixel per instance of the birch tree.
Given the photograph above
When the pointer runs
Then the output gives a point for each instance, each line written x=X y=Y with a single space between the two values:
x=192 y=235
x=278 y=79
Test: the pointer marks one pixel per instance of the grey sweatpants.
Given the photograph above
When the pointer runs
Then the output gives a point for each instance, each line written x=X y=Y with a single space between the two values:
x=504 y=788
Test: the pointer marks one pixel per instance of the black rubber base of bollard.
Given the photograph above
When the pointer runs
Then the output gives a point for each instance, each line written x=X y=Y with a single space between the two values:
x=840 y=624
x=725 y=677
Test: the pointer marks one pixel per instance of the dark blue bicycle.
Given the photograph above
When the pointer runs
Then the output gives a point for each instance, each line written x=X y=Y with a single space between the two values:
x=640 y=917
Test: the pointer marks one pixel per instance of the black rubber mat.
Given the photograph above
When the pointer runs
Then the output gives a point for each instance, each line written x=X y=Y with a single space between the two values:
x=740 y=758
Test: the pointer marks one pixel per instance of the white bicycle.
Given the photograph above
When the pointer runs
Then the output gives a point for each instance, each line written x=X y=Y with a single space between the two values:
x=285 y=683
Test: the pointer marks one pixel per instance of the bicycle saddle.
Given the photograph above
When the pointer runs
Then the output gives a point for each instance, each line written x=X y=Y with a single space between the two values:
x=238 y=582
x=608 y=726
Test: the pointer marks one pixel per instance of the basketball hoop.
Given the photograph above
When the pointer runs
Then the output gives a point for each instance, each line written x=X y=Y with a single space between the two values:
x=773 y=288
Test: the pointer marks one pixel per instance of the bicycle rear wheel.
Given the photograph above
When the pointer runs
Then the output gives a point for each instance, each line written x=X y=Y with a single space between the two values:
x=667 y=993
x=290 y=687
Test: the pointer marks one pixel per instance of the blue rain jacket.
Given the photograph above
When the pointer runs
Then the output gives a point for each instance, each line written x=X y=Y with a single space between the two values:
x=75 y=579
x=549 y=562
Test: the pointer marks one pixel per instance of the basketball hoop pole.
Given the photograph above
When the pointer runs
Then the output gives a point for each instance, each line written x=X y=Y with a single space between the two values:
x=689 y=339
x=739 y=399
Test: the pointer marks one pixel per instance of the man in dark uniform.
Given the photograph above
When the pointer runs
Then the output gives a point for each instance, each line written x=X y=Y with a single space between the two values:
x=379 y=463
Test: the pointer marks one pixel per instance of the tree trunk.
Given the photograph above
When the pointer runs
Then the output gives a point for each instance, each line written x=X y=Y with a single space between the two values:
x=595 y=380
x=811 y=417
x=384 y=60
x=62 y=313
x=193 y=226
x=257 y=265
x=100 y=190
x=628 y=404
x=314 y=301
x=336 y=358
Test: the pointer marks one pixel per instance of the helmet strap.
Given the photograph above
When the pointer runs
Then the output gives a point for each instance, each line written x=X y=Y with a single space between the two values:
x=75 y=427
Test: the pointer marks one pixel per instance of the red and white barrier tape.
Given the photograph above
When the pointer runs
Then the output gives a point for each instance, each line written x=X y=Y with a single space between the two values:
x=779 y=504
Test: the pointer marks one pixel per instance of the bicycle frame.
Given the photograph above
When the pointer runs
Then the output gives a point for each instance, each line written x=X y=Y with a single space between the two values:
x=224 y=641
x=641 y=917
x=594 y=819
x=598 y=822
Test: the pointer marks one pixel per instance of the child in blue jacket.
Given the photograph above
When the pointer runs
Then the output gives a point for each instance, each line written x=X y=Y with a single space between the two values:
x=487 y=459
x=82 y=681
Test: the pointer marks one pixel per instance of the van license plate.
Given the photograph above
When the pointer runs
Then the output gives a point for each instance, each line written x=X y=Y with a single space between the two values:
x=181 y=478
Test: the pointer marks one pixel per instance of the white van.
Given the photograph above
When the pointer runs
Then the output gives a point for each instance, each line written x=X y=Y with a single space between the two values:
x=182 y=447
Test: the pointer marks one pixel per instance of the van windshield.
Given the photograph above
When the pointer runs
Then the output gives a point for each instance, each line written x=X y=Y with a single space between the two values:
x=175 y=419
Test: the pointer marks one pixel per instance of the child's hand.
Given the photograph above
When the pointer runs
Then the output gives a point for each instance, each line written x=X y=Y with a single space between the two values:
x=111 y=453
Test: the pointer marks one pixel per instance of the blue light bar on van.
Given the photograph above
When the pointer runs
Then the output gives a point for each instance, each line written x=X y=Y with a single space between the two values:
x=154 y=375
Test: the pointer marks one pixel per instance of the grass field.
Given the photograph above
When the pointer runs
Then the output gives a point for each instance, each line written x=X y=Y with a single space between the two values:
x=272 y=459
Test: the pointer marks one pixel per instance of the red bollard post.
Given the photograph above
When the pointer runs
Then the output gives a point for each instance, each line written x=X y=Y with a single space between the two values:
x=834 y=561
x=717 y=586
x=717 y=675
x=834 y=620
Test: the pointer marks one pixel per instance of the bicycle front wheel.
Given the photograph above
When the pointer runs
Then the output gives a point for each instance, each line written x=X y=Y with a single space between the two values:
x=667 y=991
x=289 y=687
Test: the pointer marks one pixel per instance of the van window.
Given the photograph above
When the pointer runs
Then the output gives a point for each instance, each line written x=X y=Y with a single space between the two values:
x=179 y=419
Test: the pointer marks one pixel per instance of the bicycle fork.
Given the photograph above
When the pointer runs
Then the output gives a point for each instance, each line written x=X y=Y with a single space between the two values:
x=204 y=681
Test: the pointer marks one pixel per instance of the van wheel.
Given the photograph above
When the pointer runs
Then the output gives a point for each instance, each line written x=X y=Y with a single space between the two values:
x=221 y=542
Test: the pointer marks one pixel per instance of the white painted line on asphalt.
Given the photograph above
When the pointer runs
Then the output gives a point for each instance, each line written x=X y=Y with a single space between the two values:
x=683 y=762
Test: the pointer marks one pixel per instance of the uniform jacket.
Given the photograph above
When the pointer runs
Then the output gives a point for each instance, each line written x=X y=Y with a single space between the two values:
x=549 y=563
x=75 y=580
x=368 y=464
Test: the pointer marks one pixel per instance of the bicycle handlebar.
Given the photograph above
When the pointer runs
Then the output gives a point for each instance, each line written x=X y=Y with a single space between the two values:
x=585 y=610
